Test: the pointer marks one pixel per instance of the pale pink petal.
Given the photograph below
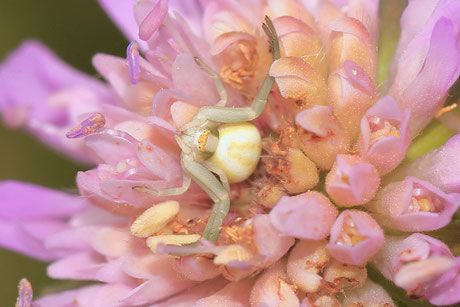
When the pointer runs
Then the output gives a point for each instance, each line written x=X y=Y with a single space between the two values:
x=305 y=264
x=439 y=167
x=423 y=87
x=271 y=244
x=370 y=294
x=345 y=184
x=81 y=266
x=234 y=294
x=350 y=93
x=307 y=216
x=324 y=135
x=190 y=296
x=271 y=289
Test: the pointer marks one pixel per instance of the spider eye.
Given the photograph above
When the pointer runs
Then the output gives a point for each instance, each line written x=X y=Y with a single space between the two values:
x=207 y=140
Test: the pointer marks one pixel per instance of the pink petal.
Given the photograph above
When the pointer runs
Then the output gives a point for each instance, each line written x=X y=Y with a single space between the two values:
x=271 y=290
x=439 y=167
x=324 y=137
x=153 y=20
x=192 y=295
x=423 y=88
x=235 y=294
x=81 y=266
x=121 y=12
x=291 y=214
x=55 y=92
x=271 y=244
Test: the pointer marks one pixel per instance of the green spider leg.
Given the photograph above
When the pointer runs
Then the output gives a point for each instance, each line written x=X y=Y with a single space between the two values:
x=224 y=114
x=214 y=188
x=186 y=181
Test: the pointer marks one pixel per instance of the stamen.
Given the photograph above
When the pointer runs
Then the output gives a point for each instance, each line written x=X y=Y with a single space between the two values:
x=89 y=126
x=445 y=110
x=424 y=201
x=381 y=128
x=132 y=56
x=350 y=234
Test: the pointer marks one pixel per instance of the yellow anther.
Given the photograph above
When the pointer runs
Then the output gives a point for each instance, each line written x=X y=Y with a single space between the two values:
x=445 y=110
x=154 y=219
x=233 y=253
x=356 y=239
x=202 y=139
x=424 y=204
x=154 y=241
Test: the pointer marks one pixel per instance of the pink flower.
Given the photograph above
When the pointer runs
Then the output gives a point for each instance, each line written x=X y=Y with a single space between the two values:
x=423 y=266
x=164 y=222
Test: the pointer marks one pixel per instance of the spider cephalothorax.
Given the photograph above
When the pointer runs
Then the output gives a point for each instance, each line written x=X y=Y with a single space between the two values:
x=230 y=150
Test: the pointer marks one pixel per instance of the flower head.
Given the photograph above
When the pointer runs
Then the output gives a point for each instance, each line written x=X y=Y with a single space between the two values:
x=164 y=220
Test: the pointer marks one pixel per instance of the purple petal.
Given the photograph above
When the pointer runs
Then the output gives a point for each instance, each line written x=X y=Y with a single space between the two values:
x=27 y=201
x=56 y=94
x=440 y=167
x=153 y=20
x=122 y=14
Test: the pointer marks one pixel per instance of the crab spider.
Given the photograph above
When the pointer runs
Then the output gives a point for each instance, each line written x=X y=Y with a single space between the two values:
x=231 y=150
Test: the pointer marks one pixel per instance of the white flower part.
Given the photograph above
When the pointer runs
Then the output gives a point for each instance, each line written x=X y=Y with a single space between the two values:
x=238 y=151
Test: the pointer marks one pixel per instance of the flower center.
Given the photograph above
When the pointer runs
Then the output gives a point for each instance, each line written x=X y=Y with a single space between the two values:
x=350 y=234
x=240 y=61
x=423 y=200
x=381 y=128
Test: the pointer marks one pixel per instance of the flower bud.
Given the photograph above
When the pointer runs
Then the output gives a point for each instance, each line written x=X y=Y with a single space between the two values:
x=423 y=266
x=272 y=290
x=300 y=82
x=350 y=41
x=351 y=92
x=323 y=136
x=299 y=40
x=305 y=264
x=355 y=237
x=413 y=205
x=352 y=181
x=385 y=136
x=343 y=276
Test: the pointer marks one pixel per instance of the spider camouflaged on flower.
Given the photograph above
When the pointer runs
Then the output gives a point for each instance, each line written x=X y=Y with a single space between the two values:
x=327 y=208
x=231 y=151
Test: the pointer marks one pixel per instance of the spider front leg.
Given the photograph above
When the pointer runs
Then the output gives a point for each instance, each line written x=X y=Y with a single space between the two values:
x=222 y=114
x=220 y=196
x=217 y=82
x=186 y=181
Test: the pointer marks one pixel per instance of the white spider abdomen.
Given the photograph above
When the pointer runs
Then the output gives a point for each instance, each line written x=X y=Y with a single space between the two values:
x=238 y=151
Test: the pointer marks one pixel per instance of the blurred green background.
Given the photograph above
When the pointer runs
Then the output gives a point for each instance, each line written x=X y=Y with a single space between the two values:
x=75 y=30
